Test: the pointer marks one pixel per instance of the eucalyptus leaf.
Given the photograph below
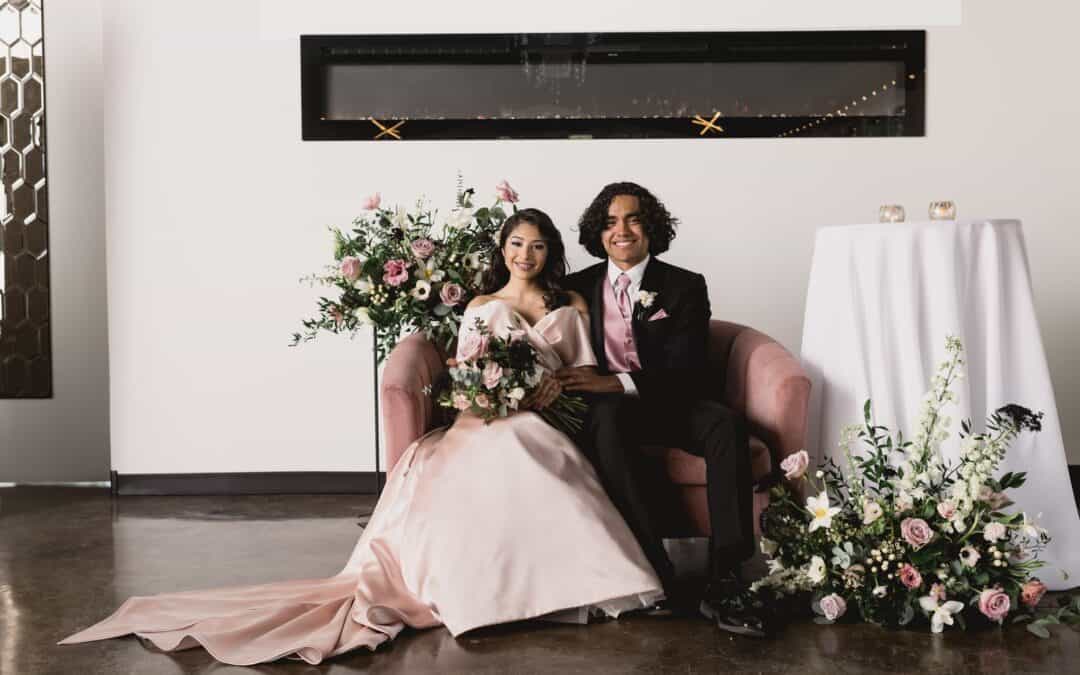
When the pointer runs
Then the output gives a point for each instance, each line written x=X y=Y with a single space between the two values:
x=1038 y=630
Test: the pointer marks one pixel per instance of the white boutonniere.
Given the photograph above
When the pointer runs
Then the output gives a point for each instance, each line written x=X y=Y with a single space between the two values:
x=645 y=299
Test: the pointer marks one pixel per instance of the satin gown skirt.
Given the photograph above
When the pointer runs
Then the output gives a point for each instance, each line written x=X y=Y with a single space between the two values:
x=479 y=524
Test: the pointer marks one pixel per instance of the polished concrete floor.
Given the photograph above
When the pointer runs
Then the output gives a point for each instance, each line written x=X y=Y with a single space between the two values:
x=68 y=557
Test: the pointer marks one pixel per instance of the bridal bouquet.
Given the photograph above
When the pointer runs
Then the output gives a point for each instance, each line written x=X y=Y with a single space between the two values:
x=494 y=375
x=408 y=270
x=902 y=534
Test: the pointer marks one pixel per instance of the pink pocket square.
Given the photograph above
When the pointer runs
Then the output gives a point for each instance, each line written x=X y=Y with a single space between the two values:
x=661 y=314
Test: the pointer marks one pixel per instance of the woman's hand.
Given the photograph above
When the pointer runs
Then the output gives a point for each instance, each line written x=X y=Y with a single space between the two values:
x=544 y=395
x=588 y=378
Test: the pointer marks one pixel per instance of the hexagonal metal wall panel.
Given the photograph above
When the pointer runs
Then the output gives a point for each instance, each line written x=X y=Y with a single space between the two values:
x=25 y=328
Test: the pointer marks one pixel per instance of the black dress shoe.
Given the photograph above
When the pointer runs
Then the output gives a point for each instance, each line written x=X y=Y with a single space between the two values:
x=733 y=608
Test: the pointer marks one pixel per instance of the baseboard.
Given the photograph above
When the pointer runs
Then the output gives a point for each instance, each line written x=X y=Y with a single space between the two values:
x=261 y=483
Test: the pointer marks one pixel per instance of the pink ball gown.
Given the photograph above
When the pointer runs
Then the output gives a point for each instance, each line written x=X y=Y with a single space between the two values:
x=479 y=524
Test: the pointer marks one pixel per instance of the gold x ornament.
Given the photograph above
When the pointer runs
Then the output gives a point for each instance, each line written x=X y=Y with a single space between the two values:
x=385 y=130
x=708 y=125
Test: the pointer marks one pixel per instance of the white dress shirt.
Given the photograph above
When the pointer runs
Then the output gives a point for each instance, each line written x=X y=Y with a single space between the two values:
x=636 y=274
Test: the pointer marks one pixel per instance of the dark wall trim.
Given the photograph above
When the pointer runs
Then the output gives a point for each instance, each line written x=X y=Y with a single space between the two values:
x=1074 y=476
x=265 y=483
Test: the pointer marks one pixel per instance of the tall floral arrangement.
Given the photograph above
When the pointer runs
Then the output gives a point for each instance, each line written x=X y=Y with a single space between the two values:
x=899 y=533
x=406 y=270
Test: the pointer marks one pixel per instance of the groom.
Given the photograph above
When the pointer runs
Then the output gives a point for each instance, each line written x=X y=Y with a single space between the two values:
x=650 y=323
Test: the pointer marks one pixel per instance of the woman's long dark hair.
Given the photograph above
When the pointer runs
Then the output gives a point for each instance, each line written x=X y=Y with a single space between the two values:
x=550 y=277
x=659 y=224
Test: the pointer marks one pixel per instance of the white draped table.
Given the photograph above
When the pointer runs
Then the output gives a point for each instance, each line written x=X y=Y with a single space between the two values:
x=880 y=301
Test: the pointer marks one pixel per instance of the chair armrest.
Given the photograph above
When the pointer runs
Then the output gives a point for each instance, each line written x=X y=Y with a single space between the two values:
x=407 y=411
x=769 y=386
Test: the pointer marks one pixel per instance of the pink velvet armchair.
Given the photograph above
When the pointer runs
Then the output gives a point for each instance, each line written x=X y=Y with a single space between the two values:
x=753 y=373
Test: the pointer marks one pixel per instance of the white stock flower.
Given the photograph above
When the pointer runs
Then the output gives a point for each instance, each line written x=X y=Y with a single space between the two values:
x=941 y=613
x=362 y=315
x=821 y=511
x=774 y=566
x=816 y=570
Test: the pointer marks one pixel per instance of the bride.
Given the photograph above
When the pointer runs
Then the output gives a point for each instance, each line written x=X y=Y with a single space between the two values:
x=479 y=524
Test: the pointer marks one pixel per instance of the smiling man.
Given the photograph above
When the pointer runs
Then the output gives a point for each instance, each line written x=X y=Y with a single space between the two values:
x=649 y=324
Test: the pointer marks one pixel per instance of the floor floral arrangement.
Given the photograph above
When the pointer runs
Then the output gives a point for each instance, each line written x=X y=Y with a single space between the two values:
x=900 y=535
x=406 y=270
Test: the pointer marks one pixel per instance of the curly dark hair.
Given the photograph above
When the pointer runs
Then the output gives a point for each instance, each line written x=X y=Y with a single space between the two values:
x=550 y=278
x=659 y=224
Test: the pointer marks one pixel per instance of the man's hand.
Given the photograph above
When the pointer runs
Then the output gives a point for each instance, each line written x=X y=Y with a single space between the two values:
x=586 y=378
x=544 y=395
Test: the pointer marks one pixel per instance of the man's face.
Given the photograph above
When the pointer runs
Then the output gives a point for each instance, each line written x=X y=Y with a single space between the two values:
x=624 y=239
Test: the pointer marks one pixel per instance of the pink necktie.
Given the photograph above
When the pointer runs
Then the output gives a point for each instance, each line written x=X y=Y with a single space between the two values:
x=622 y=283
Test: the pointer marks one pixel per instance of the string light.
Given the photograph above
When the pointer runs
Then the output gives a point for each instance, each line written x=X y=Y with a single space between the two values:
x=839 y=111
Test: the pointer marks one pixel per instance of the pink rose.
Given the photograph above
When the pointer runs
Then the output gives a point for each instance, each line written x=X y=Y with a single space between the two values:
x=937 y=592
x=451 y=294
x=472 y=347
x=397 y=272
x=794 y=466
x=506 y=193
x=833 y=606
x=994 y=604
x=1031 y=593
x=422 y=248
x=482 y=400
x=909 y=576
x=492 y=374
x=946 y=509
x=350 y=267
x=371 y=202
x=461 y=401
x=916 y=532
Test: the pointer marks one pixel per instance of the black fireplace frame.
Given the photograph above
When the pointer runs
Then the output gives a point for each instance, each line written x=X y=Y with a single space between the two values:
x=908 y=47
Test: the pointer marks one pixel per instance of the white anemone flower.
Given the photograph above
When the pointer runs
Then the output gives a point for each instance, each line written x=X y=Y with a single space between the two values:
x=941 y=613
x=816 y=570
x=822 y=512
x=421 y=291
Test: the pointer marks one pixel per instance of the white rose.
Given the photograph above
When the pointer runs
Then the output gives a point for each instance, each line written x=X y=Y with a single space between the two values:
x=516 y=394
x=994 y=532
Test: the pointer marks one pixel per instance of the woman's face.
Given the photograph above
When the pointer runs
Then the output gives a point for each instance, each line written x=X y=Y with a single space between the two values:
x=525 y=252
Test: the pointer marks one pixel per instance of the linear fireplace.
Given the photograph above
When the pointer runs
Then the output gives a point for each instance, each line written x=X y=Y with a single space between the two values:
x=613 y=85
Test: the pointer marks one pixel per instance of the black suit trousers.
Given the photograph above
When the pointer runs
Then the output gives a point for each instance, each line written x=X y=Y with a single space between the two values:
x=617 y=425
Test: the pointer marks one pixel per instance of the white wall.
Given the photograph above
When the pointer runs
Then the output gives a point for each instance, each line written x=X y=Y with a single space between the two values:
x=66 y=438
x=216 y=208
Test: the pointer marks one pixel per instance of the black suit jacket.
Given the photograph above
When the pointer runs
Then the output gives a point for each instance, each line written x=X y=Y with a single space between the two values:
x=673 y=350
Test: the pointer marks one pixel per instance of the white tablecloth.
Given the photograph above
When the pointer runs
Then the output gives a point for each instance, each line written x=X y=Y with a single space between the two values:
x=880 y=301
